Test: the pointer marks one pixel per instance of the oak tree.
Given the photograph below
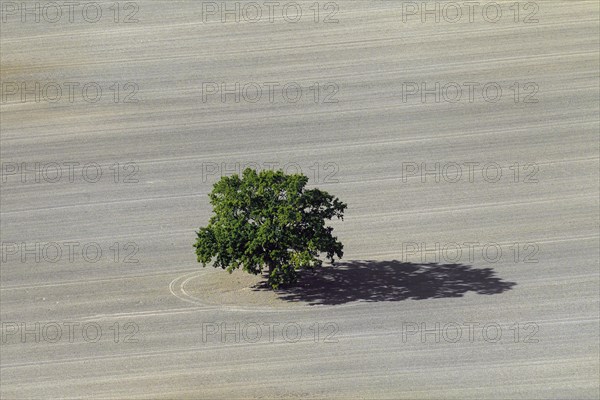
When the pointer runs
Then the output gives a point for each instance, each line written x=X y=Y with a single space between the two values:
x=269 y=221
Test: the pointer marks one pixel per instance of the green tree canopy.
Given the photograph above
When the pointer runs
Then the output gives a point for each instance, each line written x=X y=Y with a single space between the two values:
x=269 y=220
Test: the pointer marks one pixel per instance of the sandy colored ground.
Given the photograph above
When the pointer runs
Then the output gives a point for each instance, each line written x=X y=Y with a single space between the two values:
x=382 y=326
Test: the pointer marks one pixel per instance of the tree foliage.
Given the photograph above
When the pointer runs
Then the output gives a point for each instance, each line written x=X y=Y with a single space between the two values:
x=269 y=220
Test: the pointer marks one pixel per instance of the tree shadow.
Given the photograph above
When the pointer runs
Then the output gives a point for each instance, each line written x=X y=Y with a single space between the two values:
x=371 y=281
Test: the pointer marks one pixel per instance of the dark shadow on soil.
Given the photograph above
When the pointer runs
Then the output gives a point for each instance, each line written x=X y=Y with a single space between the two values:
x=370 y=281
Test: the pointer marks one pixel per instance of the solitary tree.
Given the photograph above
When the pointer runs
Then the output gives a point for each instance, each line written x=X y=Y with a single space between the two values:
x=269 y=220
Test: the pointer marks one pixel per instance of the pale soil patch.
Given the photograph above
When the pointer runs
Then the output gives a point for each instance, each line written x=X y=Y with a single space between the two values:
x=239 y=288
